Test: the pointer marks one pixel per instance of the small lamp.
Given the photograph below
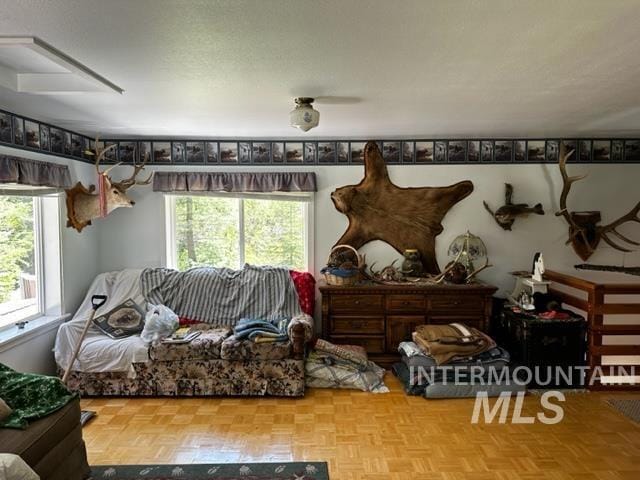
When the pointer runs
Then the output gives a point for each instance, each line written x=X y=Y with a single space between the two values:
x=472 y=248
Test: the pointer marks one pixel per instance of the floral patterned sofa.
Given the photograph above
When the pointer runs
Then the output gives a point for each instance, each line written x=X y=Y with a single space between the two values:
x=215 y=363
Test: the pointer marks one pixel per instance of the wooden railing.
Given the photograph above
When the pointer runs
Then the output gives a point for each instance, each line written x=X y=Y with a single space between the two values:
x=596 y=307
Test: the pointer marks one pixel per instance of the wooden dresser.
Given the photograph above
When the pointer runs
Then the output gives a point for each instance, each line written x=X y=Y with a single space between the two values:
x=379 y=317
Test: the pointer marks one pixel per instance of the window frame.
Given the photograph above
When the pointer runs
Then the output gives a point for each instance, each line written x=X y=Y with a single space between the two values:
x=308 y=199
x=46 y=224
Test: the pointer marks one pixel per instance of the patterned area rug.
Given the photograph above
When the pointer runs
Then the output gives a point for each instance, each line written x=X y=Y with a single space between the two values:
x=628 y=407
x=229 y=471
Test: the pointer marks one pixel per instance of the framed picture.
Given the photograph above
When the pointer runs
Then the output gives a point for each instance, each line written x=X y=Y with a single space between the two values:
x=424 y=152
x=408 y=152
x=391 y=151
x=535 y=151
x=194 y=152
x=261 y=152
x=32 y=134
x=503 y=151
x=310 y=151
x=601 y=150
x=552 y=150
x=356 y=152
x=18 y=131
x=277 y=152
x=212 y=152
x=584 y=150
x=519 y=150
x=326 y=152
x=632 y=151
x=77 y=145
x=45 y=137
x=144 y=152
x=570 y=146
x=617 y=151
x=473 y=151
x=440 y=151
x=293 y=152
x=486 y=150
x=6 y=134
x=161 y=152
x=127 y=151
x=228 y=152
x=66 y=142
x=457 y=151
x=244 y=152
x=177 y=152
x=343 y=152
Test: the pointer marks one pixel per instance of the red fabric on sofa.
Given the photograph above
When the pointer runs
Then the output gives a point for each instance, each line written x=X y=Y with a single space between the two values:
x=306 y=287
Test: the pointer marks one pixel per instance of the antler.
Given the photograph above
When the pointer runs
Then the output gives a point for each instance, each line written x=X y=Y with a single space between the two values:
x=100 y=153
x=477 y=271
x=131 y=181
x=567 y=181
x=610 y=228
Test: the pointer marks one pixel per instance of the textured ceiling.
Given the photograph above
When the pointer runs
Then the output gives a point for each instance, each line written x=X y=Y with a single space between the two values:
x=410 y=68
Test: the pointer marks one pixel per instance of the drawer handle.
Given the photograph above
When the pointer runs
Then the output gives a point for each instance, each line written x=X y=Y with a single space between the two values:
x=357 y=302
x=356 y=324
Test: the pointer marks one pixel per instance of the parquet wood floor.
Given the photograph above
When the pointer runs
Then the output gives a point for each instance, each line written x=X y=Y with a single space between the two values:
x=369 y=437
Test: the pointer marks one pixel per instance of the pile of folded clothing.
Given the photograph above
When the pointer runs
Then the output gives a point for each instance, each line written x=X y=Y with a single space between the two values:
x=261 y=331
x=446 y=361
x=343 y=366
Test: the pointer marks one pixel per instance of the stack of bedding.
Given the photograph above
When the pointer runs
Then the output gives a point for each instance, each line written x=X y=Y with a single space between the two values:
x=446 y=361
x=343 y=366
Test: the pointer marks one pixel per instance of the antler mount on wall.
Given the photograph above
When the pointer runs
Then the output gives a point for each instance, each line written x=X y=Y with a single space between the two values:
x=585 y=231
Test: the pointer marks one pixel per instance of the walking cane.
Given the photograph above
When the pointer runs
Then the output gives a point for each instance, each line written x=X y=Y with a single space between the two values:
x=96 y=302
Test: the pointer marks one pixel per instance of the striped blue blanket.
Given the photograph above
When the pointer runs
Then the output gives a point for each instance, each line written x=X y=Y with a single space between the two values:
x=222 y=296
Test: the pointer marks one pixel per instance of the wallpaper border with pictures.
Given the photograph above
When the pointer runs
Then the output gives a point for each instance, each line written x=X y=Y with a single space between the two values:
x=29 y=134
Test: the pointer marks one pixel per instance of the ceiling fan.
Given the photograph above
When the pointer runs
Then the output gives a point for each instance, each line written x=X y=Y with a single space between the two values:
x=305 y=117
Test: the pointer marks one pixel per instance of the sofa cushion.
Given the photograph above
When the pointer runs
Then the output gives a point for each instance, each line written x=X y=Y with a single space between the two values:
x=234 y=349
x=204 y=347
x=42 y=435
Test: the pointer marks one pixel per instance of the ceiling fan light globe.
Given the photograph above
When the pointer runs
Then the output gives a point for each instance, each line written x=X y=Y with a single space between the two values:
x=304 y=117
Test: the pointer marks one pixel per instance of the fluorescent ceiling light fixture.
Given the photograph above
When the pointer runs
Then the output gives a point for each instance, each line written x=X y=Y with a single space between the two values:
x=30 y=65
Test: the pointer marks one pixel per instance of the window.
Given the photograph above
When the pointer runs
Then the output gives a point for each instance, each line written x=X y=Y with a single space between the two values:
x=229 y=231
x=20 y=290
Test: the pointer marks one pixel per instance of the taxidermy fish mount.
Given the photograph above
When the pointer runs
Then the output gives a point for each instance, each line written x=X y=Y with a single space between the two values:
x=609 y=268
x=83 y=204
x=507 y=214
x=405 y=218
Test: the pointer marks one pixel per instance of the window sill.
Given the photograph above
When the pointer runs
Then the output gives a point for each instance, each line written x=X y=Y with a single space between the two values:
x=13 y=336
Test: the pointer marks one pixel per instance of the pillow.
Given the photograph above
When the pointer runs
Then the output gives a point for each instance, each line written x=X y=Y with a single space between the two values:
x=5 y=410
x=123 y=321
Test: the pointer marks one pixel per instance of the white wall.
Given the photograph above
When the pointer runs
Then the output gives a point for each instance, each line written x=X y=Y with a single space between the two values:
x=135 y=238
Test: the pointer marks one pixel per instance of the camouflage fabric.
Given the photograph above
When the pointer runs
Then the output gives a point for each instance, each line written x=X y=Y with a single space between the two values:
x=30 y=396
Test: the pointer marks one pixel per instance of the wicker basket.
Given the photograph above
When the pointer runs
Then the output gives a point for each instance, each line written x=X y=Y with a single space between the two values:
x=342 y=280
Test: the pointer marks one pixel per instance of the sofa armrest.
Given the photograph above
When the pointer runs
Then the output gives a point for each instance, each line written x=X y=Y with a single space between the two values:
x=300 y=331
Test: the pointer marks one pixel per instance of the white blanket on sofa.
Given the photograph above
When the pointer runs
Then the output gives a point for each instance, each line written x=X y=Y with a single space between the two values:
x=100 y=353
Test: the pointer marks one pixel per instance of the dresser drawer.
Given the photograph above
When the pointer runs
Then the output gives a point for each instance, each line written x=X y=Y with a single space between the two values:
x=406 y=303
x=361 y=325
x=372 y=344
x=356 y=303
x=453 y=305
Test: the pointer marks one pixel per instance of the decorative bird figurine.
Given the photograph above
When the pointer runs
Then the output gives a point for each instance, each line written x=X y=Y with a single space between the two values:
x=507 y=214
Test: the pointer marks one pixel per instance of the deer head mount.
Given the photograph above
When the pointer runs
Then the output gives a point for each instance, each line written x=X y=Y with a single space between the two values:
x=585 y=231
x=83 y=204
